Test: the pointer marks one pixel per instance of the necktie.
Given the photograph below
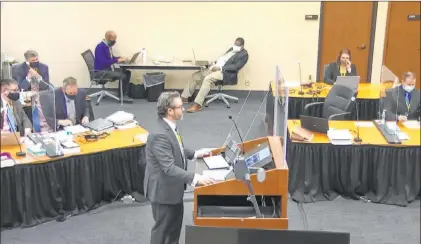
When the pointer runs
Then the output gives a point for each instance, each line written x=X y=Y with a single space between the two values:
x=179 y=137
x=72 y=111
x=408 y=104
x=11 y=118
x=35 y=119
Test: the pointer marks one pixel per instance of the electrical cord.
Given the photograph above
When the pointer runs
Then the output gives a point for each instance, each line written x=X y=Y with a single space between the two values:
x=101 y=209
x=302 y=214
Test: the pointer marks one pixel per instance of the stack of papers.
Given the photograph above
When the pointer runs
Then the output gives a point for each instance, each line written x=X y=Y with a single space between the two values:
x=76 y=129
x=216 y=162
x=7 y=163
x=120 y=118
x=340 y=137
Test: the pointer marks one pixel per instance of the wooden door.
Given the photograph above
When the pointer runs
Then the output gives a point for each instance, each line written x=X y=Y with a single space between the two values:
x=347 y=25
x=402 y=39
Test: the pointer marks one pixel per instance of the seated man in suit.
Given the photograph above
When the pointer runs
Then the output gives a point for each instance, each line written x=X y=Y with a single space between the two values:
x=342 y=67
x=403 y=102
x=226 y=68
x=31 y=71
x=71 y=105
x=13 y=118
x=104 y=59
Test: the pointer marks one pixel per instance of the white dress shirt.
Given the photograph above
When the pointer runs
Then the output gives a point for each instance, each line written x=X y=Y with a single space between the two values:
x=222 y=60
x=173 y=127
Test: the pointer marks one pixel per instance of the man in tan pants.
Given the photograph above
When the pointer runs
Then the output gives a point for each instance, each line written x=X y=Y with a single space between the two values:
x=224 y=69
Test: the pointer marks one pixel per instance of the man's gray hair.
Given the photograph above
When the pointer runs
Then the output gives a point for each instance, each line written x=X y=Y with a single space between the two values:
x=165 y=102
x=408 y=74
x=30 y=54
x=69 y=81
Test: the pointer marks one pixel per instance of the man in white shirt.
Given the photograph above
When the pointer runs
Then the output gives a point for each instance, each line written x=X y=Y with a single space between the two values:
x=225 y=69
x=166 y=175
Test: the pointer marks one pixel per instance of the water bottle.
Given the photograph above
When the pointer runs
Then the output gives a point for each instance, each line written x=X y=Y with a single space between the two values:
x=144 y=59
x=383 y=121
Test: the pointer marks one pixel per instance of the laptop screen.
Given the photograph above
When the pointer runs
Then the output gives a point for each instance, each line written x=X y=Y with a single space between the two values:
x=231 y=152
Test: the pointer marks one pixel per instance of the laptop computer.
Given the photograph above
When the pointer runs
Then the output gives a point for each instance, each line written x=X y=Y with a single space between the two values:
x=199 y=62
x=316 y=124
x=348 y=81
x=133 y=59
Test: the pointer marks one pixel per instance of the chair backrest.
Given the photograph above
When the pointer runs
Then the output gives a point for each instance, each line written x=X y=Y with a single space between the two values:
x=15 y=70
x=89 y=58
x=337 y=101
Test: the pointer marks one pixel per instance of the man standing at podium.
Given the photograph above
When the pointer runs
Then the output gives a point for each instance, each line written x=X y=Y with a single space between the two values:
x=166 y=175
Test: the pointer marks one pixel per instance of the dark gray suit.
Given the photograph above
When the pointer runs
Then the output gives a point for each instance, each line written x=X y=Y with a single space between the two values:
x=166 y=178
x=332 y=72
x=21 y=119
x=392 y=107
x=233 y=66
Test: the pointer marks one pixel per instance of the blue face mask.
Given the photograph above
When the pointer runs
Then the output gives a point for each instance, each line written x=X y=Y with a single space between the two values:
x=408 y=88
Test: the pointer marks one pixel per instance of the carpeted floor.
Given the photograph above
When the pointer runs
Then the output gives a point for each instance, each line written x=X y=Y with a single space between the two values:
x=131 y=223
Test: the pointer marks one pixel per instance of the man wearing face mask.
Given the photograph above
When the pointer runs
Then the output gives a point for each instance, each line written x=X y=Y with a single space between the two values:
x=104 y=59
x=70 y=105
x=13 y=118
x=226 y=68
x=403 y=102
x=31 y=71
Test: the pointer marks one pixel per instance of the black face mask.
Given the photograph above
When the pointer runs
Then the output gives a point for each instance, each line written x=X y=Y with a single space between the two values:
x=33 y=64
x=14 y=96
x=71 y=97
x=111 y=43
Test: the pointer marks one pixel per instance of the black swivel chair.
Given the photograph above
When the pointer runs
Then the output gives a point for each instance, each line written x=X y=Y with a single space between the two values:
x=220 y=96
x=336 y=104
x=89 y=58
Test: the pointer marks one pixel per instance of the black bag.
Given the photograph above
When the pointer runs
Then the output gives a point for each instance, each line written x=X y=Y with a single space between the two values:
x=137 y=91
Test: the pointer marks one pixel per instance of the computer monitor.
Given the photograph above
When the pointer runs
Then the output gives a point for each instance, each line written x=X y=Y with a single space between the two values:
x=315 y=124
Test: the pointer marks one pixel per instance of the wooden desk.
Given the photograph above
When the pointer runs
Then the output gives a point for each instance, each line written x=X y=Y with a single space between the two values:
x=116 y=139
x=369 y=135
x=162 y=66
x=365 y=90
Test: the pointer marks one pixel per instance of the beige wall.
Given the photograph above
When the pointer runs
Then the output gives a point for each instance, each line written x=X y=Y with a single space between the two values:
x=275 y=33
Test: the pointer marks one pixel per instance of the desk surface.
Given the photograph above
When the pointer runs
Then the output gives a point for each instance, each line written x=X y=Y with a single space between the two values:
x=172 y=65
x=116 y=139
x=369 y=135
x=365 y=90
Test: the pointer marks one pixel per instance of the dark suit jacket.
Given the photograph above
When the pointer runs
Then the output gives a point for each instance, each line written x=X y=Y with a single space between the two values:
x=391 y=104
x=233 y=66
x=22 y=120
x=81 y=106
x=332 y=72
x=21 y=71
x=166 y=174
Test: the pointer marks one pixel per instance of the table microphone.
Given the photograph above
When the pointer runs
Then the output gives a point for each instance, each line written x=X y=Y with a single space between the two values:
x=21 y=153
x=301 y=92
x=239 y=134
x=357 y=139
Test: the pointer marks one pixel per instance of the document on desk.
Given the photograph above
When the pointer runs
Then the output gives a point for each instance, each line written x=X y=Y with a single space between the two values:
x=364 y=124
x=412 y=124
x=216 y=174
x=216 y=162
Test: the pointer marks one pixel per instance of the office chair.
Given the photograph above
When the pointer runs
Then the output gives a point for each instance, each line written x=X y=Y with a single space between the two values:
x=89 y=58
x=336 y=104
x=220 y=96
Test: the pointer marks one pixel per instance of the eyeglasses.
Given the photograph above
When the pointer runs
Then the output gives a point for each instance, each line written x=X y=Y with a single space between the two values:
x=175 y=107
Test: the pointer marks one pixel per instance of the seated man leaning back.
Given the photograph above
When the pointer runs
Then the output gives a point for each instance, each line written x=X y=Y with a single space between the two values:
x=225 y=69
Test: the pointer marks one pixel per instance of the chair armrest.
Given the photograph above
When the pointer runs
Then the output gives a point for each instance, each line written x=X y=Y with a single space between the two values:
x=337 y=115
x=312 y=104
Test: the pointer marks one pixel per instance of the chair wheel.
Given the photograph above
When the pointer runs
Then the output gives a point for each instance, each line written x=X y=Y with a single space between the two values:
x=96 y=104
x=236 y=101
x=206 y=105
x=228 y=106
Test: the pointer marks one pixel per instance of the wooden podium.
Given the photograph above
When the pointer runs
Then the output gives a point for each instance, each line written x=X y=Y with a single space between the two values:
x=275 y=186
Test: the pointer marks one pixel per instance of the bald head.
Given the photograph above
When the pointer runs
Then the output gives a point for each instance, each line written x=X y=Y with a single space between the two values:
x=110 y=38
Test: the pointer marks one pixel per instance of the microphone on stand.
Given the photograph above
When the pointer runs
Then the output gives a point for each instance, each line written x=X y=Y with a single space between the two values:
x=239 y=134
x=21 y=153
x=301 y=92
x=357 y=139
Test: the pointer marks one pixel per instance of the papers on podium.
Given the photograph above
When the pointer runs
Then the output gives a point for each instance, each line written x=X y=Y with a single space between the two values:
x=216 y=162
x=217 y=174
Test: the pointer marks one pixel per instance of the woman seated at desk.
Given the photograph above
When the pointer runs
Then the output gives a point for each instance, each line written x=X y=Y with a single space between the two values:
x=342 y=67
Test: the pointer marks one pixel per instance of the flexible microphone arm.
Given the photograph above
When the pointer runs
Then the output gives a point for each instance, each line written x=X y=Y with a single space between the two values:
x=301 y=92
x=357 y=139
x=21 y=153
x=239 y=134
